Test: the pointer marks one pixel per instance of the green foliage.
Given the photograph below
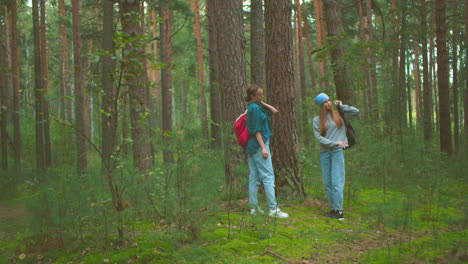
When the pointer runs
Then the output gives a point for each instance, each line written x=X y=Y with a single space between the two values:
x=401 y=206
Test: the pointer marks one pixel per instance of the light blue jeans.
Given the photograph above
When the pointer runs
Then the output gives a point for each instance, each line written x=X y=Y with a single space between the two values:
x=333 y=176
x=261 y=170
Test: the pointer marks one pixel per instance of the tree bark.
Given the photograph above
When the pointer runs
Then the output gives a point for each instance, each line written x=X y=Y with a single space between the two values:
x=215 y=106
x=443 y=78
x=465 y=97
x=15 y=86
x=257 y=43
x=309 y=55
x=3 y=105
x=134 y=78
x=456 y=121
x=166 y=76
x=427 y=90
x=232 y=74
x=38 y=83
x=401 y=95
x=320 y=36
x=81 y=156
x=302 y=75
x=109 y=117
x=335 y=31
x=280 y=84
x=368 y=57
x=416 y=99
x=45 y=87
x=200 y=71
x=64 y=73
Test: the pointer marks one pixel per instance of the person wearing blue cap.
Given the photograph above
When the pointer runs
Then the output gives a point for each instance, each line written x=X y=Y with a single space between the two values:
x=330 y=132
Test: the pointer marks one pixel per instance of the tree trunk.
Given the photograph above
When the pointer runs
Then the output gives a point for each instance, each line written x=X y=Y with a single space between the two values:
x=15 y=86
x=456 y=121
x=63 y=64
x=215 y=105
x=432 y=63
x=81 y=156
x=280 y=84
x=320 y=36
x=401 y=98
x=3 y=105
x=166 y=76
x=109 y=117
x=443 y=78
x=154 y=74
x=232 y=75
x=45 y=87
x=427 y=91
x=38 y=82
x=335 y=34
x=302 y=75
x=200 y=71
x=465 y=97
x=257 y=43
x=309 y=55
x=134 y=78
x=417 y=85
x=368 y=57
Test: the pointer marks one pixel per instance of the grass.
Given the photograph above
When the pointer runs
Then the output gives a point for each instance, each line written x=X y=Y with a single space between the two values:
x=410 y=210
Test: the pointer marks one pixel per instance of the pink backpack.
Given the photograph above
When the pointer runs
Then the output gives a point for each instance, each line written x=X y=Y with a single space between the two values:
x=240 y=129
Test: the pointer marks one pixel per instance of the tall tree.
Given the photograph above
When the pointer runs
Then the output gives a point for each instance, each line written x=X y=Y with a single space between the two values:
x=166 y=76
x=369 y=60
x=81 y=156
x=309 y=52
x=232 y=72
x=215 y=102
x=465 y=96
x=15 y=70
x=456 y=122
x=64 y=72
x=3 y=100
x=427 y=90
x=45 y=86
x=200 y=71
x=38 y=89
x=443 y=78
x=281 y=87
x=320 y=37
x=335 y=37
x=134 y=77
x=109 y=116
x=302 y=70
x=257 y=43
x=401 y=95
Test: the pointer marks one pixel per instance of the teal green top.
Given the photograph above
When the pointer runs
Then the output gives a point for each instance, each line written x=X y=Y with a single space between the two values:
x=258 y=119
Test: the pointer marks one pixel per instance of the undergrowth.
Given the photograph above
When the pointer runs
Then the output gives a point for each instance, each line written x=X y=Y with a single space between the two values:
x=401 y=206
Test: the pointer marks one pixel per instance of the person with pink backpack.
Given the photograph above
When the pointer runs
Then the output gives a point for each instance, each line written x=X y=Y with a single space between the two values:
x=257 y=122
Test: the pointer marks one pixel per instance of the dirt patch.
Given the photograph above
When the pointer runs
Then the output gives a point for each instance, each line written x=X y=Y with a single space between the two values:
x=12 y=214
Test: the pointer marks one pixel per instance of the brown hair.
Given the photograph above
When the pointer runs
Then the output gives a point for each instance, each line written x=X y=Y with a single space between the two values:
x=323 y=119
x=251 y=91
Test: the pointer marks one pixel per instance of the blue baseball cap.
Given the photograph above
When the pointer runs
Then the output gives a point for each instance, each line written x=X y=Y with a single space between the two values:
x=320 y=98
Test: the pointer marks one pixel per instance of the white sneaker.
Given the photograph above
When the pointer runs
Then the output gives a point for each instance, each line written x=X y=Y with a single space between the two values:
x=278 y=213
x=257 y=210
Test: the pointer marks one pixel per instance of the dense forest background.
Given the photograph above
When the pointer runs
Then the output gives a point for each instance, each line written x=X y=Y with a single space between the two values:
x=116 y=128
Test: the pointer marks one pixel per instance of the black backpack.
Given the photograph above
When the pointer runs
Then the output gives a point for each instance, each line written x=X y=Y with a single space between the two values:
x=350 y=134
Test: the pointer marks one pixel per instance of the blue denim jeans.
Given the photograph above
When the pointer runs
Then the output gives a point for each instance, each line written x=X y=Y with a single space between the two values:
x=333 y=176
x=261 y=170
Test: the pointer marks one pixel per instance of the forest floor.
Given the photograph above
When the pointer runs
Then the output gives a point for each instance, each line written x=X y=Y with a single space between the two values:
x=307 y=236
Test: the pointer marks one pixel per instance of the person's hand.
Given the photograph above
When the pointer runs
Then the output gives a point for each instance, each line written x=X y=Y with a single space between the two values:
x=338 y=102
x=341 y=144
x=264 y=153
